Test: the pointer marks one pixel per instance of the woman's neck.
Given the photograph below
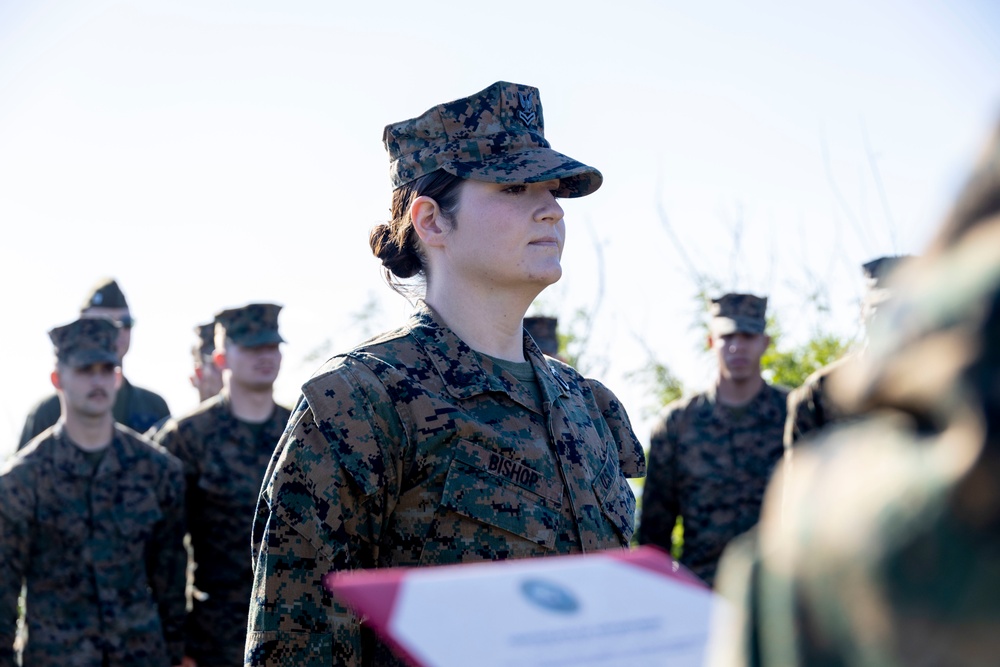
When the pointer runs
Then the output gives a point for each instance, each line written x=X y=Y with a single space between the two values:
x=489 y=323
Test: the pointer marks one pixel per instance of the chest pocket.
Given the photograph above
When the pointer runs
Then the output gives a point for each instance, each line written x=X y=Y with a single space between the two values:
x=483 y=486
x=615 y=496
x=137 y=511
x=63 y=509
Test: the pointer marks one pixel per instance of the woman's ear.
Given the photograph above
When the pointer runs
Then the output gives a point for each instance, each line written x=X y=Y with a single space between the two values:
x=428 y=223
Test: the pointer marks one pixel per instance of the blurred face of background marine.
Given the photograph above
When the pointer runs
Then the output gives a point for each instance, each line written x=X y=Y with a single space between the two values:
x=122 y=317
x=206 y=376
x=739 y=354
x=255 y=368
x=87 y=391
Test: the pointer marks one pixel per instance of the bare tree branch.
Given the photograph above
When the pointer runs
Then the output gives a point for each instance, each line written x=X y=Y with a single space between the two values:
x=841 y=201
x=877 y=176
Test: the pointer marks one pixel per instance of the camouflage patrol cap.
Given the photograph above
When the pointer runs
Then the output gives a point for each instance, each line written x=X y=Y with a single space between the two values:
x=733 y=313
x=543 y=331
x=496 y=135
x=86 y=341
x=876 y=273
x=251 y=325
x=105 y=294
x=206 y=336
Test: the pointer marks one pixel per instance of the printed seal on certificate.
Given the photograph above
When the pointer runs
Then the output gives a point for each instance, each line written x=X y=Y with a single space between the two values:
x=608 y=608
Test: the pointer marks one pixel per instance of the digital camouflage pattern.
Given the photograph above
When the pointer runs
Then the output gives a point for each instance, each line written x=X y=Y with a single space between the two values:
x=251 y=325
x=709 y=464
x=85 y=342
x=224 y=462
x=810 y=406
x=135 y=407
x=887 y=549
x=414 y=450
x=100 y=552
x=738 y=312
x=496 y=135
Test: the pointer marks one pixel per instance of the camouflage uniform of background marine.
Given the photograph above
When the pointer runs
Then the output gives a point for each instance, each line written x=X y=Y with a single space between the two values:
x=709 y=463
x=224 y=462
x=134 y=407
x=889 y=551
x=100 y=550
x=415 y=450
x=810 y=406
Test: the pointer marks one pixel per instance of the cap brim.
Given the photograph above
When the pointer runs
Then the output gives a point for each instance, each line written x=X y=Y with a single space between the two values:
x=258 y=339
x=87 y=357
x=723 y=326
x=532 y=166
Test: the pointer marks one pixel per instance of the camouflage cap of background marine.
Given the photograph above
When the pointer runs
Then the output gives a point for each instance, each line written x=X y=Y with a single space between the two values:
x=105 y=294
x=744 y=313
x=496 y=135
x=86 y=341
x=206 y=338
x=543 y=331
x=251 y=325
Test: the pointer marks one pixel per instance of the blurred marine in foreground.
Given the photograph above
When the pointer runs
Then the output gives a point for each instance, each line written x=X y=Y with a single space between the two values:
x=888 y=552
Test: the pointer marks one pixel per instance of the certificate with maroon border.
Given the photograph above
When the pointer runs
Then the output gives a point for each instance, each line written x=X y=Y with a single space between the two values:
x=608 y=608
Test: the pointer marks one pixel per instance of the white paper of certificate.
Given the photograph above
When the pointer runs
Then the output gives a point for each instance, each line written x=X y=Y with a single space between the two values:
x=599 y=610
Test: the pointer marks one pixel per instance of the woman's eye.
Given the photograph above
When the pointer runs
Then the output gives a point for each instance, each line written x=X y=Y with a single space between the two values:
x=515 y=189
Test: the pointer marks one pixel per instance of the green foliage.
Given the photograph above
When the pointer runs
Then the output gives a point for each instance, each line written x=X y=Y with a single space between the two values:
x=664 y=386
x=790 y=367
x=677 y=539
x=574 y=337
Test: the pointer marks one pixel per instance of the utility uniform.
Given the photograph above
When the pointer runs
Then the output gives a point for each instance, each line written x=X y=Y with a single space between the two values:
x=98 y=542
x=415 y=450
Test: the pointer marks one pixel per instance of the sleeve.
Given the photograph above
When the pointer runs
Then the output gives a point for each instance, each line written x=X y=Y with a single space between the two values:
x=43 y=415
x=16 y=500
x=803 y=415
x=186 y=449
x=322 y=509
x=167 y=560
x=659 y=495
x=631 y=457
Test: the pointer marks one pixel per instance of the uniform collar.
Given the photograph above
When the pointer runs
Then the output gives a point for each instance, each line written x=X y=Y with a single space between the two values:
x=70 y=459
x=757 y=407
x=460 y=368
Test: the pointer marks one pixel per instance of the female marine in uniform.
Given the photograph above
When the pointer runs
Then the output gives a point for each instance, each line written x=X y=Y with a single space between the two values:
x=451 y=439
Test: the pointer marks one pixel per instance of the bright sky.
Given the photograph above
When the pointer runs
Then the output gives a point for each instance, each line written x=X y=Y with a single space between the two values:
x=211 y=154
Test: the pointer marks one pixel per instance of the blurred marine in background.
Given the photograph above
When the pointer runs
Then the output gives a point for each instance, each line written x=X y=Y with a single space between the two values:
x=134 y=406
x=226 y=445
x=810 y=406
x=711 y=454
x=92 y=524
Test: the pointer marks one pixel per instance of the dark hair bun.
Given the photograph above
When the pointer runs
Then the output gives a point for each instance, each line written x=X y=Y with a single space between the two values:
x=402 y=262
